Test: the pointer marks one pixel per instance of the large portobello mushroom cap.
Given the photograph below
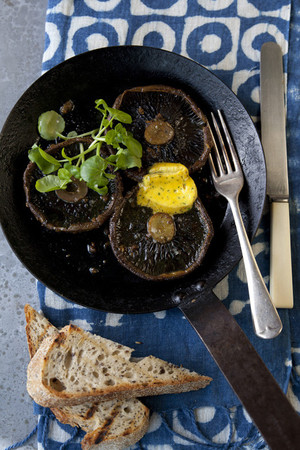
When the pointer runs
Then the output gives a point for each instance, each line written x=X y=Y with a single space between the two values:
x=168 y=124
x=159 y=246
x=76 y=209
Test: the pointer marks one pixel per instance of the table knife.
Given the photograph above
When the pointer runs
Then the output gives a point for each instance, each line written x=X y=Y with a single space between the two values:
x=273 y=135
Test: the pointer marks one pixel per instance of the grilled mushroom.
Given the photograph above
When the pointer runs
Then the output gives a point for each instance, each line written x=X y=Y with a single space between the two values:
x=169 y=125
x=159 y=246
x=75 y=209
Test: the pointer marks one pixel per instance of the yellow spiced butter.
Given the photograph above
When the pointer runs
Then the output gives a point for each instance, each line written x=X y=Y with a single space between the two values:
x=167 y=188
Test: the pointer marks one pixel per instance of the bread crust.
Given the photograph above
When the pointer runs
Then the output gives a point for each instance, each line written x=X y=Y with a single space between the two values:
x=35 y=337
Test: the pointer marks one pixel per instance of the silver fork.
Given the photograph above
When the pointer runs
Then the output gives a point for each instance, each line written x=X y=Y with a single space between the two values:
x=228 y=181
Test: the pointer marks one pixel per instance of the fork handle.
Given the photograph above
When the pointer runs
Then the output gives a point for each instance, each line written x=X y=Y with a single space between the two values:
x=266 y=321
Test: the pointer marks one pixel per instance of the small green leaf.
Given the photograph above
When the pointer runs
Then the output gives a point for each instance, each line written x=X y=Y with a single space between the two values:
x=133 y=161
x=64 y=175
x=106 y=123
x=50 y=159
x=116 y=136
x=45 y=162
x=121 y=116
x=64 y=155
x=92 y=170
x=110 y=137
x=121 y=131
x=110 y=176
x=50 y=183
x=100 y=102
x=134 y=146
x=121 y=161
x=49 y=124
x=112 y=159
x=127 y=161
x=73 y=170
x=72 y=134
x=101 y=191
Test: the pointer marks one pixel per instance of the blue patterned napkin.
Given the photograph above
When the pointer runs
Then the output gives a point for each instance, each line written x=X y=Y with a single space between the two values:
x=226 y=37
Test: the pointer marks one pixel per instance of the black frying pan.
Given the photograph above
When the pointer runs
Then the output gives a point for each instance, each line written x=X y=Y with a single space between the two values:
x=63 y=263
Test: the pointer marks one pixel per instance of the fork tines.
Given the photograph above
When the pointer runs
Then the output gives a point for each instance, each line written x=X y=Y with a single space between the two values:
x=224 y=154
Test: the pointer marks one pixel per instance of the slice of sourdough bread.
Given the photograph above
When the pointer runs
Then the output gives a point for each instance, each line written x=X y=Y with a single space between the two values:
x=109 y=425
x=114 y=424
x=76 y=366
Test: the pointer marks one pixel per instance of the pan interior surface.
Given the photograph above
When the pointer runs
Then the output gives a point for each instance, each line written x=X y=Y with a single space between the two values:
x=62 y=261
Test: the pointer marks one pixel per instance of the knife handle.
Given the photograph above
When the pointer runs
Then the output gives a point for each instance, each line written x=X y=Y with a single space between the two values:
x=281 y=282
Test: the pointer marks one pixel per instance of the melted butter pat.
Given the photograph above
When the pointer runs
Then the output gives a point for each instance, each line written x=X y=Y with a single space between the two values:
x=167 y=188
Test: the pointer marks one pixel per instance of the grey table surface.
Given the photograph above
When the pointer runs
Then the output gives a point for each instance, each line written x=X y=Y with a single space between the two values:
x=22 y=25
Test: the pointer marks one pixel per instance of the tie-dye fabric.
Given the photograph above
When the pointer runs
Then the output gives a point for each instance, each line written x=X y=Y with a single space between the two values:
x=226 y=37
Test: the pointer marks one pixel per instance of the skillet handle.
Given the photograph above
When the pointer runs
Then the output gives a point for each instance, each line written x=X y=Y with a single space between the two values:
x=244 y=370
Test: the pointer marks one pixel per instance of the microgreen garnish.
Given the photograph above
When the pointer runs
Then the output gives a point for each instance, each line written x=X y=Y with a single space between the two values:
x=43 y=160
x=49 y=124
x=93 y=169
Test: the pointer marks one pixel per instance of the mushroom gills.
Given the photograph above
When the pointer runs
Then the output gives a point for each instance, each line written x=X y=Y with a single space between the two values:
x=138 y=251
x=169 y=125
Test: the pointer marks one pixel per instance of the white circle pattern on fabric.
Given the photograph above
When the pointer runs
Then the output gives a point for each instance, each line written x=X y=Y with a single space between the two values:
x=205 y=414
x=176 y=8
x=211 y=43
x=63 y=7
x=215 y=5
x=227 y=31
x=121 y=28
x=251 y=34
x=222 y=436
x=249 y=9
x=161 y=28
x=178 y=428
x=96 y=40
x=53 y=34
x=56 y=431
x=77 y=23
x=237 y=306
x=155 y=423
x=102 y=5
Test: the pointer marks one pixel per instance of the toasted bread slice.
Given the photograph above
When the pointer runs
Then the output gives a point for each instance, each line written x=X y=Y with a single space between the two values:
x=109 y=425
x=76 y=366
x=112 y=424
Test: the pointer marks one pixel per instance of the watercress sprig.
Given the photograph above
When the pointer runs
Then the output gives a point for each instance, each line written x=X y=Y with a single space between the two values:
x=93 y=169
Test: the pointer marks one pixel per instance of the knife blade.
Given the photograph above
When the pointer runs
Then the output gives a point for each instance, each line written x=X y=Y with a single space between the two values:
x=245 y=371
x=273 y=135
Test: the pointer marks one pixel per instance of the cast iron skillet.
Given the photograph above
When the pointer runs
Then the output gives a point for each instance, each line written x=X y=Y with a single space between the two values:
x=62 y=262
